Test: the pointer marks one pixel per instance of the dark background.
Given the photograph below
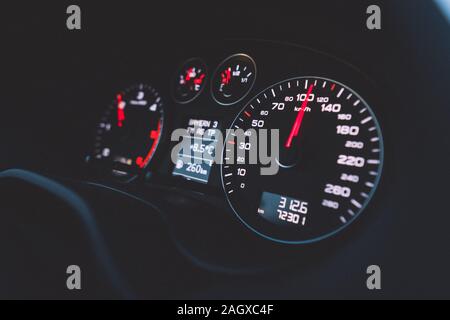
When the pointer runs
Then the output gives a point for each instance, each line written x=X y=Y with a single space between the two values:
x=48 y=73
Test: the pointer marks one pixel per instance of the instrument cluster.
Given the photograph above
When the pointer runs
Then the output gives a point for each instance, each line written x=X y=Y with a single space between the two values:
x=289 y=139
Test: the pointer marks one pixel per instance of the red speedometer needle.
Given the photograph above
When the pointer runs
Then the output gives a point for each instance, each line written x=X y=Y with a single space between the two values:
x=298 y=120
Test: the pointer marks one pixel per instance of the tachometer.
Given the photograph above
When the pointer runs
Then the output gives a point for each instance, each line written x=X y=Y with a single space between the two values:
x=330 y=160
x=129 y=131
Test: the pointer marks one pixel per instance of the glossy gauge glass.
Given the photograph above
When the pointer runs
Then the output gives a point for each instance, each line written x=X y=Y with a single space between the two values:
x=233 y=79
x=130 y=130
x=329 y=163
x=189 y=81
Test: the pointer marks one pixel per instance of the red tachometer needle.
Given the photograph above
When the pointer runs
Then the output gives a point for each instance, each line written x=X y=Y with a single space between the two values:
x=120 y=111
x=298 y=120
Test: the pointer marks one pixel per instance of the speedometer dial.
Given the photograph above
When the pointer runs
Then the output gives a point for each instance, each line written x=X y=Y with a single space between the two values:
x=330 y=160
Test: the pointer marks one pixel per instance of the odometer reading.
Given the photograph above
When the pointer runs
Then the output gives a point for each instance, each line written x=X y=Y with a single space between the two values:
x=330 y=161
x=282 y=209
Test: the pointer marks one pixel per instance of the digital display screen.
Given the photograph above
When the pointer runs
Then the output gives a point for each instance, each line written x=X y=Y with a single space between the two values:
x=196 y=162
x=283 y=210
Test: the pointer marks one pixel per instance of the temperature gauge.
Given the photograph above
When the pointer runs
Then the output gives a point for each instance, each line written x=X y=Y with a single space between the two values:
x=190 y=80
x=233 y=79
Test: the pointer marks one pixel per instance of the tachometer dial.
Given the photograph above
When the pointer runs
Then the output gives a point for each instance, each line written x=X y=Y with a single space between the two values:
x=130 y=130
x=330 y=160
x=190 y=80
x=233 y=79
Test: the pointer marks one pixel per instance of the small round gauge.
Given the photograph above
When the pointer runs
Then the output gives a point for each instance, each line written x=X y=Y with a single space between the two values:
x=233 y=79
x=189 y=81
x=129 y=131
x=326 y=169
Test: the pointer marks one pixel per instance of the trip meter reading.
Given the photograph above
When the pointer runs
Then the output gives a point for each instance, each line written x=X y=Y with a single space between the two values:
x=233 y=79
x=129 y=131
x=330 y=160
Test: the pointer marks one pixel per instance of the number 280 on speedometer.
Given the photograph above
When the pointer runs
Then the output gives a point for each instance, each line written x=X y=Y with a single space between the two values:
x=330 y=160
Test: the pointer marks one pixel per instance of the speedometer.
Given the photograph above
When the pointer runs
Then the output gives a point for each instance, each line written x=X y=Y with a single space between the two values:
x=329 y=161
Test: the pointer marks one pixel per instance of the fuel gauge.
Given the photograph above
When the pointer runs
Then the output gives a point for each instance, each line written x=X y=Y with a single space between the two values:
x=189 y=81
x=233 y=79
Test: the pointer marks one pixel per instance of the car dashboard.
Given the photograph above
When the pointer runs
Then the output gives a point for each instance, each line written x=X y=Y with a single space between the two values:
x=269 y=160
